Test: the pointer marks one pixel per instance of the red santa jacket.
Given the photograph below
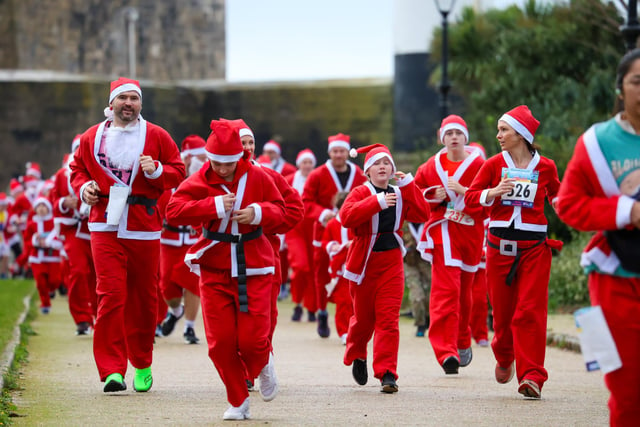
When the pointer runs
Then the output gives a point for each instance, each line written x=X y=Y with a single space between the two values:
x=66 y=219
x=137 y=221
x=360 y=213
x=336 y=233
x=591 y=200
x=321 y=187
x=294 y=208
x=41 y=243
x=284 y=168
x=454 y=224
x=198 y=201
x=173 y=233
x=522 y=218
x=301 y=235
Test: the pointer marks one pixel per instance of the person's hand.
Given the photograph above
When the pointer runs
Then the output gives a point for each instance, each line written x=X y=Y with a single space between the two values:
x=41 y=242
x=334 y=247
x=390 y=198
x=228 y=200
x=440 y=193
x=70 y=202
x=635 y=214
x=90 y=194
x=244 y=216
x=505 y=186
x=327 y=218
x=456 y=186
x=400 y=175
x=147 y=164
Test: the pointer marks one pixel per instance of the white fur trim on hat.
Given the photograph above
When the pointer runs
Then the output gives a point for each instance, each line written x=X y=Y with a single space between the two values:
x=194 y=151
x=224 y=159
x=450 y=126
x=377 y=157
x=339 y=143
x=304 y=156
x=518 y=127
x=245 y=132
x=272 y=147
x=124 y=88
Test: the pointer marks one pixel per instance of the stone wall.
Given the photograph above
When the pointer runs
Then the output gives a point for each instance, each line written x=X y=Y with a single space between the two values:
x=40 y=119
x=175 y=39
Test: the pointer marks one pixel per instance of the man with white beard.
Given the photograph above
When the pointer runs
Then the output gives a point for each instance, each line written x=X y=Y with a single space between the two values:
x=123 y=165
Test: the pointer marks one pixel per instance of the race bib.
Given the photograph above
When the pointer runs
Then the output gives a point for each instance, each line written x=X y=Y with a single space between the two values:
x=526 y=185
x=118 y=195
x=457 y=216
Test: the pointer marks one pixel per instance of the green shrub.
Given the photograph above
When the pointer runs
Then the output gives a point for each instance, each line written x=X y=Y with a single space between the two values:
x=568 y=283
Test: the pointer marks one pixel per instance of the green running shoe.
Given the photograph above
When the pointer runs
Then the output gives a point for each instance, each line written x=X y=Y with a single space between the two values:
x=143 y=380
x=113 y=383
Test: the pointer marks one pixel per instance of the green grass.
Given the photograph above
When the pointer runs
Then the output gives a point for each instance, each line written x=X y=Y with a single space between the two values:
x=12 y=293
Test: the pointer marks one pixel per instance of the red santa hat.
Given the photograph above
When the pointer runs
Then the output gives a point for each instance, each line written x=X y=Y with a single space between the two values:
x=272 y=145
x=15 y=186
x=453 y=122
x=265 y=161
x=30 y=181
x=243 y=129
x=480 y=148
x=522 y=121
x=374 y=153
x=33 y=169
x=43 y=201
x=193 y=145
x=75 y=143
x=339 y=140
x=224 y=145
x=124 y=84
x=4 y=200
x=305 y=154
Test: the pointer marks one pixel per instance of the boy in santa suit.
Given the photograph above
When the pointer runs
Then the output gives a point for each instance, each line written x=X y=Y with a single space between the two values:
x=71 y=217
x=122 y=167
x=44 y=251
x=274 y=152
x=336 y=240
x=231 y=199
x=452 y=242
x=513 y=186
x=176 y=281
x=337 y=174
x=375 y=212
x=300 y=243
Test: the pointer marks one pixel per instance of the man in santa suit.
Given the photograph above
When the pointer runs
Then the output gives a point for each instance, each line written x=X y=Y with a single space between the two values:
x=122 y=167
x=71 y=217
x=300 y=244
x=274 y=152
x=232 y=199
x=337 y=175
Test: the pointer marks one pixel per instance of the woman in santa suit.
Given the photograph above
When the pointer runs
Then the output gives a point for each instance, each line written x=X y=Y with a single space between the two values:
x=231 y=199
x=513 y=185
x=600 y=192
x=451 y=242
x=375 y=212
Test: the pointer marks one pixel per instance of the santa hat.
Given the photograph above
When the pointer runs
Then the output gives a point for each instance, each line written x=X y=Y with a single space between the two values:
x=339 y=140
x=265 y=161
x=15 y=186
x=75 y=143
x=374 y=153
x=480 y=148
x=453 y=122
x=193 y=145
x=522 y=121
x=124 y=85
x=43 y=201
x=30 y=181
x=33 y=169
x=224 y=145
x=4 y=200
x=306 y=154
x=272 y=145
x=243 y=129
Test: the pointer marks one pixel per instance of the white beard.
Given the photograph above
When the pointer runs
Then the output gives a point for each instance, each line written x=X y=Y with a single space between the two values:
x=122 y=146
x=195 y=165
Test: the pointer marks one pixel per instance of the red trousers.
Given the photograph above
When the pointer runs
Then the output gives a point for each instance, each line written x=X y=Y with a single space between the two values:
x=376 y=310
x=619 y=299
x=341 y=296
x=449 y=307
x=238 y=342
x=48 y=279
x=302 y=280
x=127 y=288
x=520 y=310
x=479 y=306
x=276 y=279
x=321 y=277
x=175 y=276
x=82 y=298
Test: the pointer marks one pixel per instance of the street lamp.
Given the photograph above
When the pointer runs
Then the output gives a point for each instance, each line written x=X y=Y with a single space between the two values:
x=631 y=30
x=444 y=7
x=131 y=16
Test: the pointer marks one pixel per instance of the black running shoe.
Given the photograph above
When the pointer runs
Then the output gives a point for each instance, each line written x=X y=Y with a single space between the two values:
x=190 y=336
x=311 y=317
x=169 y=323
x=359 y=371
x=451 y=365
x=83 y=328
x=323 y=324
x=297 y=313
x=389 y=383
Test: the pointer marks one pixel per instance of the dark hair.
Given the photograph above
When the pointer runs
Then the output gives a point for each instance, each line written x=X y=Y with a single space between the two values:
x=623 y=69
x=340 y=198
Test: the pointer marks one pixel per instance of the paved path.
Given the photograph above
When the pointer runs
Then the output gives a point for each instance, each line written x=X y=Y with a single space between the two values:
x=61 y=385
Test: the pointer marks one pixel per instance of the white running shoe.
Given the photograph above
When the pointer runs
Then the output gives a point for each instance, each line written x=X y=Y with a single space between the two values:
x=238 y=412
x=268 y=381
x=343 y=339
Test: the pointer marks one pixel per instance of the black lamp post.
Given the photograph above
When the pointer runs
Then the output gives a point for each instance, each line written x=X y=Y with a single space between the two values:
x=631 y=29
x=444 y=7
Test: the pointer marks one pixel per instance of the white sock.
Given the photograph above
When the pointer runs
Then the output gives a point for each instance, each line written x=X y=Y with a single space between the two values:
x=189 y=324
x=177 y=311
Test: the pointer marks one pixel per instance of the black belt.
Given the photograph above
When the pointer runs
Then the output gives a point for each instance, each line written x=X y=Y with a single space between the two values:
x=141 y=200
x=179 y=229
x=516 y=260
x=239 y=239
x=47 y=250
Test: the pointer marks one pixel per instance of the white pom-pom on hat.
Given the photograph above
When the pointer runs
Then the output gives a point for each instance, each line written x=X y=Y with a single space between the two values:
x=353 y=153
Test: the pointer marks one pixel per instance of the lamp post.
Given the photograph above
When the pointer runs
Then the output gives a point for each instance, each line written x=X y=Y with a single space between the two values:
x=631 y=29
x=445 y=7
x=131 y=16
